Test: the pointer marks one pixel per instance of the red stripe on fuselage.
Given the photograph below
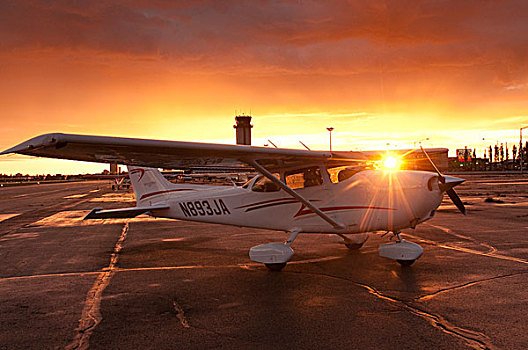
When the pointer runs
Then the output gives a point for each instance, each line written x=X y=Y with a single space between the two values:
x=161 y=192
x=268 y=201
x=304 y=211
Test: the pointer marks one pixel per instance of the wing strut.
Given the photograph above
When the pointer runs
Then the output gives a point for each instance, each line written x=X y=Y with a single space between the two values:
x=296 y=195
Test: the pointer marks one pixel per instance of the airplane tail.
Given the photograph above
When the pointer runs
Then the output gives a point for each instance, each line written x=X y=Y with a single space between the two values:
x=150 y=186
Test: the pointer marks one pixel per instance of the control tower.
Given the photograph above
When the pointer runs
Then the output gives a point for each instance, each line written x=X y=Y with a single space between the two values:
x=243 y=129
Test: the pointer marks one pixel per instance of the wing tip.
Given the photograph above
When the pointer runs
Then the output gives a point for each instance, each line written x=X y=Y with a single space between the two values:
x=92 y=214
x=35 y=142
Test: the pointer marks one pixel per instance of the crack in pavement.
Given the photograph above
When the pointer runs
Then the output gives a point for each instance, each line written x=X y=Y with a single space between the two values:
x=91 y=314
x=185 y=323
x=474 y=339
x=180 y=314
x=466 y=285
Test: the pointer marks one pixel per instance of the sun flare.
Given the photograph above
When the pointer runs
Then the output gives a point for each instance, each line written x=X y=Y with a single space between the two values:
x=391 y=163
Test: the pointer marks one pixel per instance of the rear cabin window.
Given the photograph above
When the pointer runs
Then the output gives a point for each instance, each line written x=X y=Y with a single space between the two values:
x=306 y=177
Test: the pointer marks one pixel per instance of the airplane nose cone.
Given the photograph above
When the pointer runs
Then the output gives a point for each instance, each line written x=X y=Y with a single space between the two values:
x=450 y=182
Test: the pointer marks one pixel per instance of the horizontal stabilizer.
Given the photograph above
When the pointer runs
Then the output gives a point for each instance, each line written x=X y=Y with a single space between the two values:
x=98 y=213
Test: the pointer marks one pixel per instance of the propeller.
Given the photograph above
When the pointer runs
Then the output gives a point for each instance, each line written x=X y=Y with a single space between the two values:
x=447 y=184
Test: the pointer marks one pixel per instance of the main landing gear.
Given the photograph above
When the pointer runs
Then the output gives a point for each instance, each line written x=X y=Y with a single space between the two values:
x=404 y=252
x=355 y=241
x=274 y=255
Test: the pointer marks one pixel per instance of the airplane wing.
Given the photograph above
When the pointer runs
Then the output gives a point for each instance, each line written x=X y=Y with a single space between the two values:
x=173 y=154
x=98 y=213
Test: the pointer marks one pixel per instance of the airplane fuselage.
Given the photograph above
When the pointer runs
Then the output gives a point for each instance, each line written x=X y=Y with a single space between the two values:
x=371 y=200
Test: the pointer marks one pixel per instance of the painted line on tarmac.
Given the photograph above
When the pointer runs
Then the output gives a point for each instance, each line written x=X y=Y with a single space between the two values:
x=247 y=266
x=49 y=275
x=74 y=196
x=4 y=217
x=492 y=251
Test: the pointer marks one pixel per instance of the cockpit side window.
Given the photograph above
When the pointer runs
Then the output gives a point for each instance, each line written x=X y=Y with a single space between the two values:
x=263 y=184
x=306 y=177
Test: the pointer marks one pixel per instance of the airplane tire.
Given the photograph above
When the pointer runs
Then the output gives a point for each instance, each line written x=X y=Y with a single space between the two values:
x=406 y=263
x=275 y=267
x=354 y=246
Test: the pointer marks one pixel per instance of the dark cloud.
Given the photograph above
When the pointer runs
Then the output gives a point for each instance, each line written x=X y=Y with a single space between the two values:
x=297 y=36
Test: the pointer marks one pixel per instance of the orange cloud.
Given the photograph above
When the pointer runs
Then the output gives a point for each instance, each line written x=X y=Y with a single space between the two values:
x=166 y=69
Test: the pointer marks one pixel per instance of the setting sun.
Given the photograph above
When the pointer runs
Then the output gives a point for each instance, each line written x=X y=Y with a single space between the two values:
x=391 y=163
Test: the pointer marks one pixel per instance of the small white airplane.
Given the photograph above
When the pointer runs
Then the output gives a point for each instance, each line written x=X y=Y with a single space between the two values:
x=297 y=191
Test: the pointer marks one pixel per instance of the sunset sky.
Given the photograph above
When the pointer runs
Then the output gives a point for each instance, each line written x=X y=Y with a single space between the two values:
x=377 y=71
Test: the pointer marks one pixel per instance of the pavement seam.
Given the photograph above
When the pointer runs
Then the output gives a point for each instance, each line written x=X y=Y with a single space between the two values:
x=91 y=314
x=180 y=314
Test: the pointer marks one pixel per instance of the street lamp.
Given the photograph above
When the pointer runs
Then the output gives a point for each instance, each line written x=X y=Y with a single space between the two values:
x=330 y=131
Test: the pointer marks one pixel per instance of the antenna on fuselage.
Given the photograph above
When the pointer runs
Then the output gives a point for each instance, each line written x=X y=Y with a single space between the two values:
x=308 y=148
x=274 y=145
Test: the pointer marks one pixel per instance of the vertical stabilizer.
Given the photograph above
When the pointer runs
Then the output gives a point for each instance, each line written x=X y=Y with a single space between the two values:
x=150 y=186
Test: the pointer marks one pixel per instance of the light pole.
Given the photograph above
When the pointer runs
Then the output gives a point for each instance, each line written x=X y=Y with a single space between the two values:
x=521 y=147
x=330 y=131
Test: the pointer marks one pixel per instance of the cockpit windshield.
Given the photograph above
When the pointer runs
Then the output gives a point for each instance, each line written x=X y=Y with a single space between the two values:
x=345 y=172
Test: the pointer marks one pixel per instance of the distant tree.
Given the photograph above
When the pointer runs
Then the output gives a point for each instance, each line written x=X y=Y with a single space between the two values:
x=514 y=152
x=507 y=152
x=496 y=156
x=474 y=153
x=490 y=154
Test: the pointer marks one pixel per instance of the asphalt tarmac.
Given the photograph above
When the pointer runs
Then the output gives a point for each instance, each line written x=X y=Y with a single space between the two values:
x=155 y=283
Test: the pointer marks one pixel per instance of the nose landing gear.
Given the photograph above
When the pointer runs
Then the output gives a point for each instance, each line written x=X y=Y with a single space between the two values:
x=355 y=241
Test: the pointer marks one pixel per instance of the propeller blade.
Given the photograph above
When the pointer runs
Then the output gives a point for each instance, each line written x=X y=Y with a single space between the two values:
x=432 y=163
x=446 y=183
x=456 y=200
